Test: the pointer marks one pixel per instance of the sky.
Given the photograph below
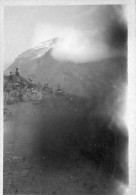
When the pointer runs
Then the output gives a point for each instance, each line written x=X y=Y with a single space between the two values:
x=26 y=27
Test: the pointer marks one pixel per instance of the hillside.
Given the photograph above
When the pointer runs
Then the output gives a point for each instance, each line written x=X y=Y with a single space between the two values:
x=80 y=79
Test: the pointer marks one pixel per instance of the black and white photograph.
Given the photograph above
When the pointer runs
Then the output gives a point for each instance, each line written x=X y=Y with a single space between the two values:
x=65 y=81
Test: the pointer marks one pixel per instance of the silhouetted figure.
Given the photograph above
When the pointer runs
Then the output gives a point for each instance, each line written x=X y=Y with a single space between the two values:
x=20 y=95
x=17 y=72
x=17 y=75
x=45 y=87
x=30 y=84
x=30 y=80
x=11 y=77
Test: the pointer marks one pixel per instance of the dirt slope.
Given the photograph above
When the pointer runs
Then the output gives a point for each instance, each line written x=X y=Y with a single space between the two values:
x=40 y=155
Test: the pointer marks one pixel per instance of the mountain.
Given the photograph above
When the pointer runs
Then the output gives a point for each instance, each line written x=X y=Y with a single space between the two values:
x=81 y=79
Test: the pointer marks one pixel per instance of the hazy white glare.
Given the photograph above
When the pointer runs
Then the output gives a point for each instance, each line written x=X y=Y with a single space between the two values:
x=122 y=189
x=120 y=108
x=44 y=32
x=85 y=39
x=125 y=13
x=80 y=47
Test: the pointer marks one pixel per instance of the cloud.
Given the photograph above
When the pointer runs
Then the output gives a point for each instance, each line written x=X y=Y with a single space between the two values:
x=102 y=34
x=80 y=47
x=93 y=35
x=44 y=32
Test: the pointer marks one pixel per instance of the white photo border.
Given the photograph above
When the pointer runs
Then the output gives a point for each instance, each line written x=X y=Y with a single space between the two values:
x=131 y=95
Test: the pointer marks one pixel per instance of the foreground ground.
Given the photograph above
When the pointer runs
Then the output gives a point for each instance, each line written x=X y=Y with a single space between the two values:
x=38 y=151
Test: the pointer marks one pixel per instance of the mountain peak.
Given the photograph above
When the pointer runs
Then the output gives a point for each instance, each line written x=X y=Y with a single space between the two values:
x=48 y=43
x=38 y=51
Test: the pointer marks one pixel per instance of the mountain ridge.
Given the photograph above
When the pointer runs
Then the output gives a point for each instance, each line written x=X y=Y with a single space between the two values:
x=39 y=65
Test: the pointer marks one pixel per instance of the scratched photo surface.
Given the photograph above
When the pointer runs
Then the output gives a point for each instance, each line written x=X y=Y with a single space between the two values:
x=65 y=85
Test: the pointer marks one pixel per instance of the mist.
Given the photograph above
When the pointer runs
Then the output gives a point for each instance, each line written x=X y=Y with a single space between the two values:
x=105 y=39
x=90 y=49
x=80 y=47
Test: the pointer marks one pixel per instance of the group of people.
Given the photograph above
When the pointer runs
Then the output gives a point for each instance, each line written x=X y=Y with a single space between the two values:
x=11 y=75
x=16 y=88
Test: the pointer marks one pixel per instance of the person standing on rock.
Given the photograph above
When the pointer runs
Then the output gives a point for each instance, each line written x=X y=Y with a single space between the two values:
x=17 y=72
x=17 y=75
x=11 y=77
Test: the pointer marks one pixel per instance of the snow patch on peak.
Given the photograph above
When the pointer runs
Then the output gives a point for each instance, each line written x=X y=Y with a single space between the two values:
x=45 y=44
x=38 y=51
